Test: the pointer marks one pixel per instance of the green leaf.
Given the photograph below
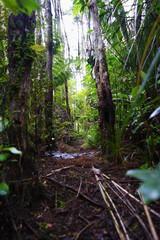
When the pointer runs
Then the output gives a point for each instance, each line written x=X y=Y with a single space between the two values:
x=4 y=189
x=90 y=31
x=121 y=95
x=158 y=166
x=137 y=127
x=75 y=1
x=156 y=112
x=26 y=6
x=83 y=8
x=134 y=92
x=3 y=157
x=13 y=150
x=144 y=166
x=138 y=98
x=1 y=124
x=150 y=70
x=143 y=74
x=150 y=189
x=13 y=160
x=12 y=5
x=38 y=48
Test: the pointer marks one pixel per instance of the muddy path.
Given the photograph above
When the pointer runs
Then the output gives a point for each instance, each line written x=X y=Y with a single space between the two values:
x=72 y=206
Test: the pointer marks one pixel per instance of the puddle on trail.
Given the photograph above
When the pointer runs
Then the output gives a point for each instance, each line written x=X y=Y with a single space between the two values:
x=65 y=155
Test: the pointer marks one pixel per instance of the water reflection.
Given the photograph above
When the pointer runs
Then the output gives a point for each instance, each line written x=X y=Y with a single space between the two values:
x=65 y=155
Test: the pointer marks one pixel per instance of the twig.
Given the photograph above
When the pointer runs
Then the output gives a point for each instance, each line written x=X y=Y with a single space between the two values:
x=120 y=233
x=74 y=190
x=152 y=228
x=20 y=180
x=133 y=211
x=58 y=170
x=100 y=177
x=120 y=219
x=79 y=189
x=130 y=195
x=84 y=219
x=83 y=229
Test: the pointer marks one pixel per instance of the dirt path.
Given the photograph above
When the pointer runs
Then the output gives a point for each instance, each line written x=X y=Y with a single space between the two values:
x=72 y=207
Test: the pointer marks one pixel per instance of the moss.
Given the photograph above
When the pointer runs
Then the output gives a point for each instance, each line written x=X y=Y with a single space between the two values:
x=85 y=145
x=63 y=147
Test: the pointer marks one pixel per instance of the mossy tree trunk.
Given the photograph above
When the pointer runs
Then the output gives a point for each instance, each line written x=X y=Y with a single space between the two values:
x=21 y=37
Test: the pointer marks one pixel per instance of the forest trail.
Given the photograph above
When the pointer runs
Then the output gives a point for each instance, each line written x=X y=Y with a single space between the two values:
x=72 y=207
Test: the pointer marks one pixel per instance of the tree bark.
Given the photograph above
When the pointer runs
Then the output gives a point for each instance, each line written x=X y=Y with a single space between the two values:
x=67 y=100
x=49 y=81
x=122 y=19
x=105 y=103
x=68 y=50
x=21 y=37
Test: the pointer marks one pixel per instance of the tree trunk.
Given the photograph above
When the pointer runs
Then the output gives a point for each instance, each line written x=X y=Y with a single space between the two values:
x=49 y=81
x=39 y=25
x=67 y=100
x=88 y=42
x=21 y=37
x=123 y=22
x=66 y=82
x=105 y=103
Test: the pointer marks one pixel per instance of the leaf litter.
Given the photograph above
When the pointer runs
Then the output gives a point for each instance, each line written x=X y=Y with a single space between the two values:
x=74 y=203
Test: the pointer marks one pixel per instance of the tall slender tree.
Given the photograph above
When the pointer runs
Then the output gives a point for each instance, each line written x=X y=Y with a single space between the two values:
x=68 y=51
x=105 y=103
x=120 y=15
x=49 y=80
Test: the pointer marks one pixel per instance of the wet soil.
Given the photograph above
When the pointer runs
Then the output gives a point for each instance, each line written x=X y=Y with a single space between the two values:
x=71 y=206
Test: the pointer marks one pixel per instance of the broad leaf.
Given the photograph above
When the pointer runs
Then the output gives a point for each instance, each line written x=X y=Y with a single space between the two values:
x=13 y=150
x=90 y=31
x=3 y=157
x=150 y=189
x=143 y=74
x=38 y=48
x=75 y=1
x=158 y=166
x=121 y=95
x=144 y=166
x=26 y=6
x=12 y=5
x=156 y=112
x=134 y=92
x=4 y=189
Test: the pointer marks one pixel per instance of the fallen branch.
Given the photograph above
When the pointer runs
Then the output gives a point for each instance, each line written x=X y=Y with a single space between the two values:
x=76 y=191
x=58 y=170
x=130 y=195
x=79 y=189
x=102 y=178
x=118 y=215
x=83 y=229
x=107 y=199
x=133 y=211
x=151 y=225
x=84 y=219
